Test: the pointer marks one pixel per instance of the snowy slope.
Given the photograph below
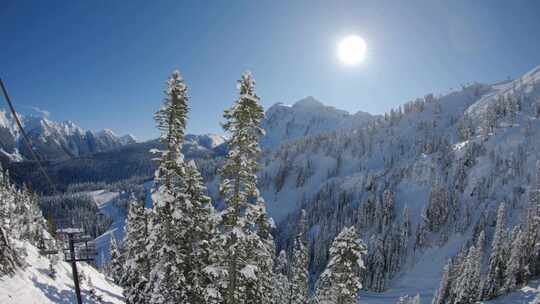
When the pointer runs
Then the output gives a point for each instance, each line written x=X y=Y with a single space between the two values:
x=332 y=163
x=33 y=285
x=306 y=117
x=334 y=174
x=529 y=294
x=104 y=200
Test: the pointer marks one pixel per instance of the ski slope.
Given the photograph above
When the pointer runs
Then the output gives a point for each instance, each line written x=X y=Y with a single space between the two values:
x=33 y=285
x=104 y=201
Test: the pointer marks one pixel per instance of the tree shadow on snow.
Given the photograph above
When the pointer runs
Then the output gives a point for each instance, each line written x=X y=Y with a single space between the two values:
x=110 y=294
x=56 y=295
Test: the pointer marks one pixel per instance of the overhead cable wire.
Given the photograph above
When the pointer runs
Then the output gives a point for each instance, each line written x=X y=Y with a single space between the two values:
x=27 y=139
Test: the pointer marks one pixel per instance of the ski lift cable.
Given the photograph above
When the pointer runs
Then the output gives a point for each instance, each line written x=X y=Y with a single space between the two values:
x=27 y=139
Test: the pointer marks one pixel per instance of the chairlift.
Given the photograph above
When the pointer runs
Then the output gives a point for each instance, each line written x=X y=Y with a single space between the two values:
x=43 y=250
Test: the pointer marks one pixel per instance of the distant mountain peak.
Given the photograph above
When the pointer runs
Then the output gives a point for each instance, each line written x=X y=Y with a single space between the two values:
x=128 y=139
x=306 y=117
x=107 y=132
x=309 y=102
x=54 y=140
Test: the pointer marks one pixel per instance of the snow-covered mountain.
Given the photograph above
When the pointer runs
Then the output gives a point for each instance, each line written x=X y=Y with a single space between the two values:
x=420 y=183
x=284 y=123
x=54 y=140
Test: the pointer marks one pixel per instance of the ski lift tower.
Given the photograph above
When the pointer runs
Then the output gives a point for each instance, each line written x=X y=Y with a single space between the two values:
x=80 y=249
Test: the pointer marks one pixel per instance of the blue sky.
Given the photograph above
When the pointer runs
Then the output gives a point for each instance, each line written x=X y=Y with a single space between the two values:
x=103 y=64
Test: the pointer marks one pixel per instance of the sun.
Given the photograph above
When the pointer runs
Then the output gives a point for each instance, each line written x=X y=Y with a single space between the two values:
x=352 y=50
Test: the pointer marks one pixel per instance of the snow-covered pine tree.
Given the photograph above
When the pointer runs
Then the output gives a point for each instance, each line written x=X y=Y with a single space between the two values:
x=438 y=208
x=494 y=280
x=168 y=282
x=33 y=222
x=243 y=267
x=466 y=286
x=476 y=287
x=376 y=275
x=467 y=282
x=405 y=233
x=262 y=247
x=532 y=235
x=116 y=265
x=388 y=208
x=171 y=120
x=137 y=266
x=516 y=273
x=182 y=216
x=340 y=282
x=445 y=285
x=199 y=228
x=299 y=272
x=457 y=267
x=8 y=257
x=281 y=284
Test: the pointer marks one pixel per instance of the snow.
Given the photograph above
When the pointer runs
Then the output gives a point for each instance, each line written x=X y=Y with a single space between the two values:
x=529 y=294
x=295 y=127
x=309 y=102
x=128 y=139
x=55 y=139
x=423 y=277
x=104 y=201
x=249 y=272
x=308 y=116
x=15 y=156
x=33 y=285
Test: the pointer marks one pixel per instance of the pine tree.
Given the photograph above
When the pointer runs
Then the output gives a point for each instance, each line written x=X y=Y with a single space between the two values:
x=281 y=284
x=516 y=272
x=300 y=262
x=137 y=267
x=182 y=218
x=375 y=276
x=243 y=269
x=445 y=285
x=8 y=256
x=171 y=280
x=117 y=261
x=532 y=235
x=199 y=227
x=171 y=120
x=476 y=287
x=497 y=261
x=264 y=251
x=340 y=282
x=467 y=282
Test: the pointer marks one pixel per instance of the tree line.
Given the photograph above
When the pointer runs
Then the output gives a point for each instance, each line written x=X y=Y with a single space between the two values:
x=183 y=250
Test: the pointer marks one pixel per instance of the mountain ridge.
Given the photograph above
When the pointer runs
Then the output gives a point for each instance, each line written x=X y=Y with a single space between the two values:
x=54 y=140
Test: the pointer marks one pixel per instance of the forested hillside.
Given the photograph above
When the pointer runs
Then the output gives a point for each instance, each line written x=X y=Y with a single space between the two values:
x=444 y=188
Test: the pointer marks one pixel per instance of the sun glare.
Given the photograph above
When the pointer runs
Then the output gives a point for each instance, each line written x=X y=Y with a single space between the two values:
x=352 y=50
